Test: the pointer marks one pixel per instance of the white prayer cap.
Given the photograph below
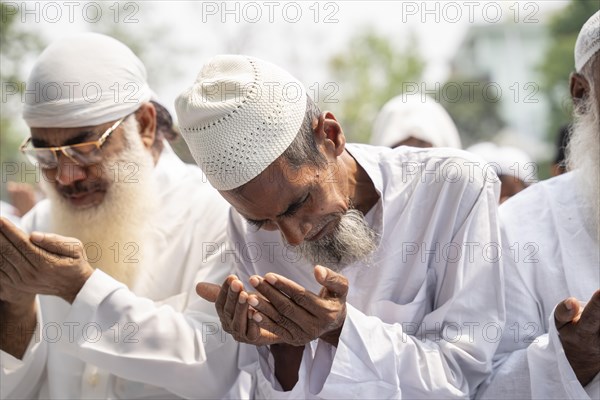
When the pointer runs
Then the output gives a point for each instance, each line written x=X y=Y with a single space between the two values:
x=507 y=160
x=84 y=80
x=588 y=41
x=239 y=116
x=418 y=116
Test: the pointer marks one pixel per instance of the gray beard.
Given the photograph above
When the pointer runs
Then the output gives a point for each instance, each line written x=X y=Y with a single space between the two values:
x=351 y=241
x=583 y=154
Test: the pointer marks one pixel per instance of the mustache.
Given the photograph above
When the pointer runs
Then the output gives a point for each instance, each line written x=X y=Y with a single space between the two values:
x=81 y=187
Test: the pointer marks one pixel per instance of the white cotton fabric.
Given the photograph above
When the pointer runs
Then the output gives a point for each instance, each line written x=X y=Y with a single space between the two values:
x=406 y=333
x=549 y=255
x=507 y=160
x=84 y=80
x=588 y=41
x=418 y=116
x=239 y=116
x=167 y=341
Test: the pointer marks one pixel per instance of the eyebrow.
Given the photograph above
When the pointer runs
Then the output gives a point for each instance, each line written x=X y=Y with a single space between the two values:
x=79 y=138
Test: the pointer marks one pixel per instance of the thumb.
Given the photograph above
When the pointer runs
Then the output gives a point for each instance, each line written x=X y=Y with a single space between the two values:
x=57 y=244
x=208 y=291
x=565 y=312
x=335 y=284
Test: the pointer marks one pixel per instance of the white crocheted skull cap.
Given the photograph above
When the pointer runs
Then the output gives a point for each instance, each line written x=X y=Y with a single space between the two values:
x=239 y=116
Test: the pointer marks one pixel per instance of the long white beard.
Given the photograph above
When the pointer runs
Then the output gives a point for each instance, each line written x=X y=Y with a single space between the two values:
x=114 y=233
x=583 y=153
x=352 y=240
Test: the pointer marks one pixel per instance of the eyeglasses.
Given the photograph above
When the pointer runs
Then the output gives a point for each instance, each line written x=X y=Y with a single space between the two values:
x=83 y=154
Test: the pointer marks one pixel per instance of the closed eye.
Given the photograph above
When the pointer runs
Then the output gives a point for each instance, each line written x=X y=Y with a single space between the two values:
x=293 y=209
x=256 y=224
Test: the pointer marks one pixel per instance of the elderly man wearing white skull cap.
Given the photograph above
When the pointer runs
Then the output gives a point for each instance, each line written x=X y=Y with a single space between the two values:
x=354 y=277
x=113 y=313
x=551 y=347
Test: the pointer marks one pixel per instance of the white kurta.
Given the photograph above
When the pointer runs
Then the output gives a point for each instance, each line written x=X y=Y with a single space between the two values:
x=160 y=341
x=424 y=315
x=550 y=254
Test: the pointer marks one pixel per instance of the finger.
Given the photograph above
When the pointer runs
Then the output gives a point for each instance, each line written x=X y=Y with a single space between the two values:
x=259 y=336
x=15 y=252
x=208 y=291
x=240 y=317
x=222 y=296
x=31 y=253
x=336 y=284
x=231 y=301
x=276 y=329
x=8 y=272
x=589 y=321
x=299 y=295
x=565 y=312
x=16 y=245
x=57 y=244
x=261 y=305
x=285 y=306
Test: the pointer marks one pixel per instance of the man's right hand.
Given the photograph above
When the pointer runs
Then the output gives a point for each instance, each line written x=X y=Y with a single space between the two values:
x=579 y=332
x=231 y=303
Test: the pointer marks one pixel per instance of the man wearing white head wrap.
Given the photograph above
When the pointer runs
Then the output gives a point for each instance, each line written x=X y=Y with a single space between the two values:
x=304 y=199
x=551 y=349
x=129 y=324
x=514 y=167
x=414 y=120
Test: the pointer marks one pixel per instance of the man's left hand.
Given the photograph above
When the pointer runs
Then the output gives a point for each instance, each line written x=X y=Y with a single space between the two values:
x=302 y=315
x=579 y=333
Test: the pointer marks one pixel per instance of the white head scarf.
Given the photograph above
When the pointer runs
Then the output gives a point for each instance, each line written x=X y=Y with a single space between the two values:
x=84 y=80
x=418 y=116
x=588 y=41
x=507 y=160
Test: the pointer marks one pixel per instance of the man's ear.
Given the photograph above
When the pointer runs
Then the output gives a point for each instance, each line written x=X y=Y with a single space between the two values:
x=146 y=118
x=579 y=86
x=330 y=133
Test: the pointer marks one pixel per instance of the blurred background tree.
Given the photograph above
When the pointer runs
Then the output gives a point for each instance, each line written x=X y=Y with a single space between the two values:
x=17 y=45
x=558 y=61
x=370 y=72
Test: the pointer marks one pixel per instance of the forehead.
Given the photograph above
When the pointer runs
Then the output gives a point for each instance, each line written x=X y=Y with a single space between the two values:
x=64 y=136
x=272 y=192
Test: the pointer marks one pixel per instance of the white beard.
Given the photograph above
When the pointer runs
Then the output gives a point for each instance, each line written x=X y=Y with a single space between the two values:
x=114 y=232
x=583 y=153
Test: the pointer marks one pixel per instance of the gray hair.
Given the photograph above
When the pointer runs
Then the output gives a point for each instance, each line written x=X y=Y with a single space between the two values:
x=303 y=150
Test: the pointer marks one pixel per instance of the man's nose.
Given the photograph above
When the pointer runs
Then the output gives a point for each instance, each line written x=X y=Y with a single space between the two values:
x=293 y=231
x=68 y=171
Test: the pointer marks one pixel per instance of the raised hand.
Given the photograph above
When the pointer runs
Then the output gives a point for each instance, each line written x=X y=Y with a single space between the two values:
x=40 y=264
x=297 y=315
x=579 y=332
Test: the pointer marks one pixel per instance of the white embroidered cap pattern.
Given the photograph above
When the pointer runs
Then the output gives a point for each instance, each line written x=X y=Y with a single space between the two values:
x=588 y=41
x=239 y=116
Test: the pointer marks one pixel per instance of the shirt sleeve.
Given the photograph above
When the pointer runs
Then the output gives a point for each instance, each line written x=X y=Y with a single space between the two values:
x=133 y=337
x=21 y=379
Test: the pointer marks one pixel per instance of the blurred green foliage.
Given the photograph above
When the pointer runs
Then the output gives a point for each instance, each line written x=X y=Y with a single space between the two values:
x=369 y=72
x=559 y=62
